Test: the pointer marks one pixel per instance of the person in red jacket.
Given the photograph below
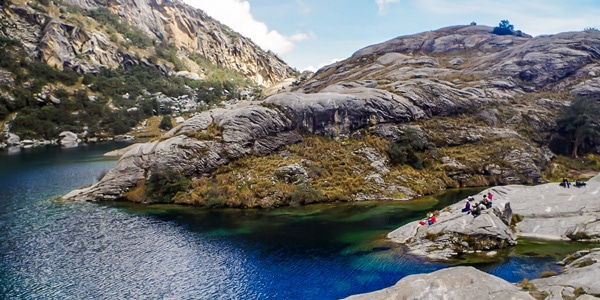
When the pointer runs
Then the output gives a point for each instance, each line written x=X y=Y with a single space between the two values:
x=432 y=219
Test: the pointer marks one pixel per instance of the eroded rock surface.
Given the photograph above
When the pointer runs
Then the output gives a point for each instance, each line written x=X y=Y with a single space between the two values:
x=451 y=283
x=459 y=87
x=456 y=232
x=553 y=212
x=580 y=276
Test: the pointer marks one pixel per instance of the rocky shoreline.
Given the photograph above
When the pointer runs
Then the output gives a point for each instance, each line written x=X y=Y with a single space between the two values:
x=577 y=281
x=547 y=211
x=67 y=139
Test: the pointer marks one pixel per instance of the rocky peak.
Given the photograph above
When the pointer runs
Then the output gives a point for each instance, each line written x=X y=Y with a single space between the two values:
x=446 y=40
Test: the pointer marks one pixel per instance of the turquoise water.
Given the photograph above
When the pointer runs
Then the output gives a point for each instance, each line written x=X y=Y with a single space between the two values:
x=62 y=250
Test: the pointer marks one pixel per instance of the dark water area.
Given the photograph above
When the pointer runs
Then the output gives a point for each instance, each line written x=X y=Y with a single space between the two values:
x=61 y=250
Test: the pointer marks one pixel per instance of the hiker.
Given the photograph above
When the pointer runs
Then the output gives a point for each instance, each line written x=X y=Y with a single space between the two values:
x=565 y=183
x=475 y=210
x=467 y=207
x=426 y=220
x=470 y=198
x=432 y=219
x=487 y=203
x=490 y=196
x=580 y=183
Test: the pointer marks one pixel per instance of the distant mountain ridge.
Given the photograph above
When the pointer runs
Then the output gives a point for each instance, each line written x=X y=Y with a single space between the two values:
x=55 y=35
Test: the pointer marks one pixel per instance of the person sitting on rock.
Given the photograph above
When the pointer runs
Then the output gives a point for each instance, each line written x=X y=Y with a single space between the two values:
x=432 y=219
x=470 y=198
x=565 y=183
x=580 y=183
x=426 y=220
x=490 y=196
x=476 y=210
x=487 y=203
x=482 y=206
x=467 y=207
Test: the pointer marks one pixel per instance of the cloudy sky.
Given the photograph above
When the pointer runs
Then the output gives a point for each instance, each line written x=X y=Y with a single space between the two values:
x=308 y=34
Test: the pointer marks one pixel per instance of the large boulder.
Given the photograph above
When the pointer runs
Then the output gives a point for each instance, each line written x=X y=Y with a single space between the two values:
x=12 y=139
x=551 y=211
x=452 y=283
x=68 y=139
x=455 y=233
x=579 y=277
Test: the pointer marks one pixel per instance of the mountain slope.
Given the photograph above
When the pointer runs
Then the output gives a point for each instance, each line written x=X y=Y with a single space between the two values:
x=105 y=66
x=459 y=106
x=62 y=37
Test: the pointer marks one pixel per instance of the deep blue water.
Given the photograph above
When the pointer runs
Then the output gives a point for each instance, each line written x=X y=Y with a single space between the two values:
x=61 y=250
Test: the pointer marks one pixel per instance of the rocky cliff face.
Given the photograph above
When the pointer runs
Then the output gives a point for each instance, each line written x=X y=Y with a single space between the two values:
x=481 y=108
x=58 y=35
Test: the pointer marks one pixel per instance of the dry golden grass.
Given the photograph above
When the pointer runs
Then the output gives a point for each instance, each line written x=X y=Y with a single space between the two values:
x=151 y=131
x=212 y=132
x=337 y=171
x=138 y=193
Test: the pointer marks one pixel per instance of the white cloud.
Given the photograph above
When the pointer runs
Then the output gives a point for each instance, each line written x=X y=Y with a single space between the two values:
x=298 y=37
x=314 y=69
x=236 y=14
x=381 y=5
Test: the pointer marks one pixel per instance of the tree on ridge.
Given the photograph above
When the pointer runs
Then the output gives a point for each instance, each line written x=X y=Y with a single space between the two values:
x=580 y=123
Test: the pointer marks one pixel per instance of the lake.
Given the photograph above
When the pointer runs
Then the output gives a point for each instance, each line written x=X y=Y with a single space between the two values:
x=51 y=249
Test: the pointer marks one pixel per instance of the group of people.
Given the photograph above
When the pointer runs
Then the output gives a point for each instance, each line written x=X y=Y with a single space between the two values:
x=477 y=207
x=578 y=183
x=472 y=209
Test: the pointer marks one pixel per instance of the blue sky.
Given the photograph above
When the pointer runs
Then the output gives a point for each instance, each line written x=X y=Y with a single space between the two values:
x=308 y=34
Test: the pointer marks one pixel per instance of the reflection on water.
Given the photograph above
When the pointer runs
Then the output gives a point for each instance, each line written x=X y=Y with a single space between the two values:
x=56 y=250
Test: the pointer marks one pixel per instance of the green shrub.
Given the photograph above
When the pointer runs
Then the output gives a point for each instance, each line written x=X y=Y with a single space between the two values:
x=163 y=184
x=503 y=28
x=304 y=194
x=515 y=218
x=166 y=123
x=404 y=151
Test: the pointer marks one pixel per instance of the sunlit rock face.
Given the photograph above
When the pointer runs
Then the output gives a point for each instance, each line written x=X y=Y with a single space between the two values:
x=451 y=283
x=61 y=39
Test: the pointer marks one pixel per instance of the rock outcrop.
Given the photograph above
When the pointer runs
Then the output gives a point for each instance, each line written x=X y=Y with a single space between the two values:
x=578 y=280
x=68 y=139
x=195 y=148
x=579 y=277
x=547 y=211
x=456 y=233
x=550 y=211
x=451 y=283
x=461 y=90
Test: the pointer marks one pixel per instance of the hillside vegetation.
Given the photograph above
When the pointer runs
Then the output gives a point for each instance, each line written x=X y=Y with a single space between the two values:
x=91 y=71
